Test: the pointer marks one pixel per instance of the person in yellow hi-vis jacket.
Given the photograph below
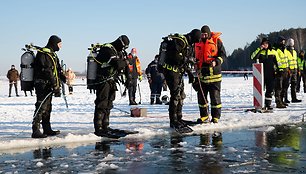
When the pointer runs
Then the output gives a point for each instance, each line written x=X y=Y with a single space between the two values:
x=268 y=56
x=301 y=71
x=281 y=72
x=292 y=75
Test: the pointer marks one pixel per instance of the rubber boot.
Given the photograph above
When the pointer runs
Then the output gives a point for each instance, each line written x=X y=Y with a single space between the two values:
x=105 y=121
x=215 y=114
x=280 y=105
x=36 y=132
x=48 y=131
x=280 y=99
x=293 y=95
x=132 y=101
x=285 y=101
x=152 y=101
x=173 y=120
x=268 y=105
x=98 y=124
x=46 y=124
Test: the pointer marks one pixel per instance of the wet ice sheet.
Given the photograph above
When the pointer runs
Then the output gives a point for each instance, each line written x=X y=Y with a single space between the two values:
x=279 y=150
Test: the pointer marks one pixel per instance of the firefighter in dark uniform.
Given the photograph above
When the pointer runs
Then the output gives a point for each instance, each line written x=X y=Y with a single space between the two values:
x=266 y=55
x=156 y=80
x=209 y=53
x=173 y=69
x=47 y=81
x=112 y=63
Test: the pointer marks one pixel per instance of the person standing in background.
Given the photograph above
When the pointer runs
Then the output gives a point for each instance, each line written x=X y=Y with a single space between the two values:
x=156 y=80
x=70 y=76
x=281 y=74
x=135 y=73
x=301 y=71
x=13 y=76
x=292 y=73
x=268 y=57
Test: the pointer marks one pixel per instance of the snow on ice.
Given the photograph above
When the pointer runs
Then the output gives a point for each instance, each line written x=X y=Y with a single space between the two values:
x=76 y=122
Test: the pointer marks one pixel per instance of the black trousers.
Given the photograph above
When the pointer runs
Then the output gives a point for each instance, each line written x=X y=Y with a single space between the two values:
x=156 y=88
x=301 y=77
x=269 y=83
x=281 y=82
x=291 y=81
x=176 y=86
x=215 y=99
x=132 y=89
x=105 y=95
x=43 y=105
x=10 y=88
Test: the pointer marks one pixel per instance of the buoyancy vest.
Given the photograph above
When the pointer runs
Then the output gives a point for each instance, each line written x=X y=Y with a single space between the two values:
x=206 y=52
x=105 y=70
x=55 y=62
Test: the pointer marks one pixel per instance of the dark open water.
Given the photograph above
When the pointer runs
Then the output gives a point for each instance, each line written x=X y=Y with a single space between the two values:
x=282 y=150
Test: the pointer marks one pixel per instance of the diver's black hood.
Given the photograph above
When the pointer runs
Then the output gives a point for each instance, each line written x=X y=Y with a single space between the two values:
x=52 y=43
x=121 y=43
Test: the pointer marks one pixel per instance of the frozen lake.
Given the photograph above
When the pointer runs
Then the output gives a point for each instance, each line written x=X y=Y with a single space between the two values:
x=282 y=150
x=242 y=142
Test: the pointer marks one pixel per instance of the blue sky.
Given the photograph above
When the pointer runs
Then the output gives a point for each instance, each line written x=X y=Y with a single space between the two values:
x=82 y=22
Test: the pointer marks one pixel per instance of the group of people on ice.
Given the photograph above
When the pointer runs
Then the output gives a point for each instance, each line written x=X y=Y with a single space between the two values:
x=283 y=67
x=199 y=54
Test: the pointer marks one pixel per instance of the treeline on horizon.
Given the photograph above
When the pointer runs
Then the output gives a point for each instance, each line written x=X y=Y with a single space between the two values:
x=240 y=58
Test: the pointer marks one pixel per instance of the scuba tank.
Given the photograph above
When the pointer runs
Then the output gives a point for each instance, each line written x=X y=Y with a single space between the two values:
x=92 y=66
x=27 y=70
x=162 y=53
